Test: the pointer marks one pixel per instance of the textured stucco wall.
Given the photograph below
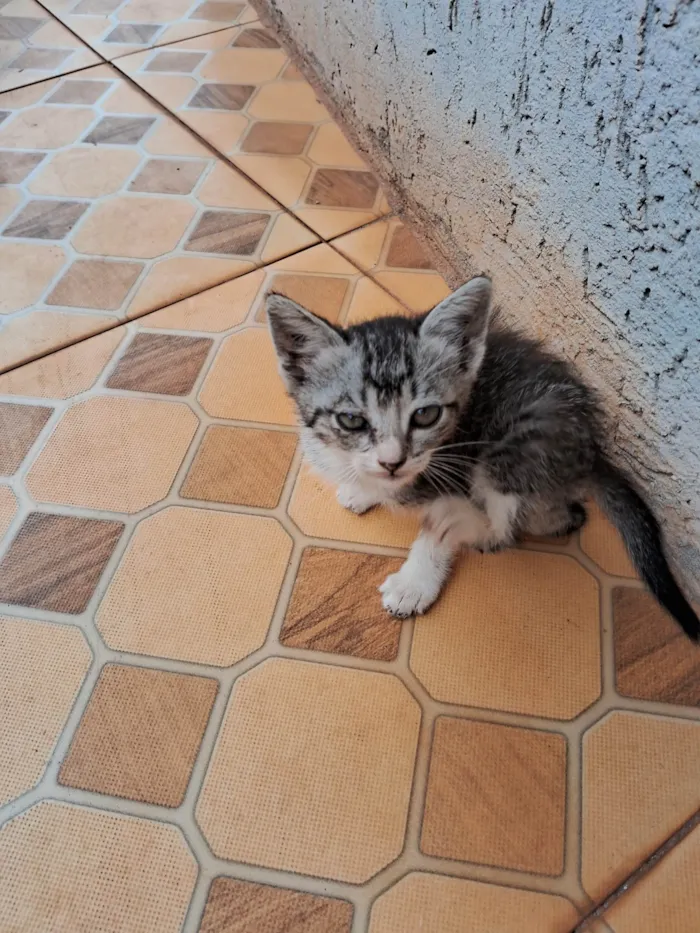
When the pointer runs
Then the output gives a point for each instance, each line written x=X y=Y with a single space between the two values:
x=555 y=145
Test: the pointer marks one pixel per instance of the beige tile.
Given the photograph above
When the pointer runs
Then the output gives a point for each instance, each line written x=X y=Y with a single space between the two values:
x=140 y=734
x=64 y=373
x=243 y=66
x=421 y=902
x=85 y=173
x=330 y=147
x=212 y=311
x=43 y=666
x=601 y=542
x=369 y=301
x=119 y=454
x=20 y=425
x=27 y=270
x=30 y=335
x=134 y=227
x=10 y=199
x=420 y=291
x=312 y=771
x=95 y=283
x=496 y=795
x=641 y=781
x=84 y=870
x=244 y=383
x=196 y=585
x=8 y=509
x=667 y=898
x=516 y=631
x=240 y=466
x=44 y=127
x=224 y=188
x=323 y=295
x=315 y=510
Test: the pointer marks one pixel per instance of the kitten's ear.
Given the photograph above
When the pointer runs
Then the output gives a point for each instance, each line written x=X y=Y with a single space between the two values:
x=298 y=336
x=463 y=316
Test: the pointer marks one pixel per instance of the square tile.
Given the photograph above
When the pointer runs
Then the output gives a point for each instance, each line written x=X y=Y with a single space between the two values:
x=162 y=363
x=78 y=91
x=654 y=660
x=56 y=561
x=20 y=425
x=241 y=466
x=335 y=187
x=15 y=166
x=132 y=34
x=496 y=796
x=119 y=131
x=243 y=907
x=140 y=734
x=233 y=234
x=95 y=283
x=334 y=605
x=222 y=96
x=45 y=220
x=174 y=61
x=277 y=138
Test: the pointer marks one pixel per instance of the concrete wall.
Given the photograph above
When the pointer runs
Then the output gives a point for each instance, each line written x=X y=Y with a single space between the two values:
x=555 y=145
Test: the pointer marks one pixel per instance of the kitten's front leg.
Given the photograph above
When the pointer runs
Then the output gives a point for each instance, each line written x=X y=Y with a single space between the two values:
x=356 y=499
x=418 y=583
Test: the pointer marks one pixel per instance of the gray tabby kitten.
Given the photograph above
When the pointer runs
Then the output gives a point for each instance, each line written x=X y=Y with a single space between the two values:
x=490 y=435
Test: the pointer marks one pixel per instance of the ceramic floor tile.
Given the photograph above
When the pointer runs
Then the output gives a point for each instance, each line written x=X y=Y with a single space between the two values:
x=34 y=46
x=667 y=898
x=41 y=669
x=390 y=254
x=433 y=902
x=8 y=509
x=118 y=27
x=140 y=734
x=162 y=363
x=238 y=96
x=89 y=870
x=496 y=795
x=242 y=907
x=20 y=425
x=340 y=812
x=641 y=782
x=115 y=209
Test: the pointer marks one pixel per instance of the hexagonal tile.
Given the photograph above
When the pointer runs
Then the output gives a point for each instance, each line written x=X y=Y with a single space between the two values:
x=421 y=902
x=244 y=381
x=516 y=631
x=496 y=795
x=85 y=173
x=133 y=226
x=316 y=511
x=20 y=425
x=42 y=667
x=641 y=781
x=87 y=870
x=312 y=771
x=63 y=373
x=28 y=269
x=30 y=335
x=119 y=454
x=668 y=898
x=45 y=127
x=196 y=585
x=602 y=543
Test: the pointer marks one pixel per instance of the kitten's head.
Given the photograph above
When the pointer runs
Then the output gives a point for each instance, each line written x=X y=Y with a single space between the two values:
x=377 y=399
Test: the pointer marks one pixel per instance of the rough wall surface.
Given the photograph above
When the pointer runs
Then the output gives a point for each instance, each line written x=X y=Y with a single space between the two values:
x=554 y=144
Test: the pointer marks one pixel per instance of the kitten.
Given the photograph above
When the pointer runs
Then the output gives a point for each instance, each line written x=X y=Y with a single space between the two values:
x=490 y=435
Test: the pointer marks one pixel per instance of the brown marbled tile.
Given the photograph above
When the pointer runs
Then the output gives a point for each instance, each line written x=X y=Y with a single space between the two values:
x=228 y=232
x=405 y=252
x=133 y=33
x=165 y=363
x=15 y=166
x=335 y=606
x=181 y=62
x=79 y=91
x=244 y=907
x=119 y=131
x=56 y=561
x=96 y=7
x=20 y=426
x=46 y=220
x=19 y=27
x=140 y=734
x=322 y=294
x=277 y=138
x=95 y=283
x=654 y=659
x=496 y=795
x=218 y=11
x=168 y=176
x=255 y=38
x=242 y=466
x=41 y=59
x=222 y=96
x=341 y=187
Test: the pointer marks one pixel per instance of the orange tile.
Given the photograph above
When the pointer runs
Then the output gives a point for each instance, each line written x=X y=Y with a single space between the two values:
x=496 y=795
x=601 y=542
x=8 y=509
x=140 y=734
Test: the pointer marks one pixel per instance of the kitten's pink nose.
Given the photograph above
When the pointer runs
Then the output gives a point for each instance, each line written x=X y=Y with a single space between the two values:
x=391 y=466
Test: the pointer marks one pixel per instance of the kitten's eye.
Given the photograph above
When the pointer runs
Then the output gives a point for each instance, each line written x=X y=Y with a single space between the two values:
x=426 y=417
x=350 y=421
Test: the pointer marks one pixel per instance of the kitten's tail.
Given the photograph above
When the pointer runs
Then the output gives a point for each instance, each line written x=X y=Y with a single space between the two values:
x=642 y=536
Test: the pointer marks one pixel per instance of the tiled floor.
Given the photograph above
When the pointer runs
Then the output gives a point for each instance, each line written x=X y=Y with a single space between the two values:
x=207 y=723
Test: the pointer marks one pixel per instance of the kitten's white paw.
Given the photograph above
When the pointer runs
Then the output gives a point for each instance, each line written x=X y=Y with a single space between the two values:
x=406 y=594
x=354 y=499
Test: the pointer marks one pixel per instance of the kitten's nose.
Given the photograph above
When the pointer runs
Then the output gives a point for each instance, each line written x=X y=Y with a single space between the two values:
x=391 y=466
